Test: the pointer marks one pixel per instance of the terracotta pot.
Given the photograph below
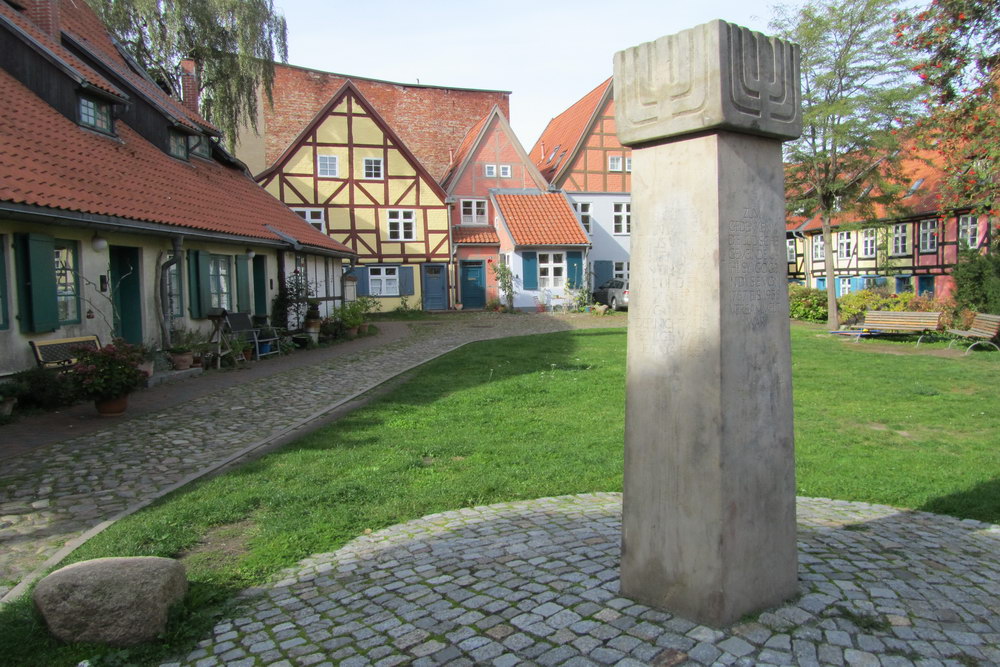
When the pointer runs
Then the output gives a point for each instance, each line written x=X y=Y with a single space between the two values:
x=7 y=406
x=352 y=331
x=311 y=326
x=363 y=328
x=248 y=354
x=182 y=360
x=111 y=407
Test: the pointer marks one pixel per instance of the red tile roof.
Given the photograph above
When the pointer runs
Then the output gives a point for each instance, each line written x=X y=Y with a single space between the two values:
x=50 y=161
x=478 y=235
x=540 y=218
x=564 y=133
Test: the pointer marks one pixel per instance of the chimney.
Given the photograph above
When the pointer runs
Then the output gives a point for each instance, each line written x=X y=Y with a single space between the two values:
x=542 y=156
x=45 y=15
x=190 y=85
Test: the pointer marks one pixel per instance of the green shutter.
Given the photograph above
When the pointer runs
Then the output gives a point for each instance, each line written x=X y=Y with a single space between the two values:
x=574 y=269
x=36 y=277
x=243 y=304
x=260 y=285
x=530 y=269
x=194 y=262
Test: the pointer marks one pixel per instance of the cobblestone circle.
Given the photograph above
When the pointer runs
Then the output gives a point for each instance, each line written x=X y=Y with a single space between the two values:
x=55 y=493
x=536 y=582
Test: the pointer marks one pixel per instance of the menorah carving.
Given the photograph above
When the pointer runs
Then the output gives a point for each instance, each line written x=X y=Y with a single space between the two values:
x=714 y=76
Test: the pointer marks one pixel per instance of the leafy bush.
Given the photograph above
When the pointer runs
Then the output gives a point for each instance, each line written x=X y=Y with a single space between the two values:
x=109 y=372
x=44 y=388
x=494 y=305
x=852 y=306
x=977 y=280
x=805 y=303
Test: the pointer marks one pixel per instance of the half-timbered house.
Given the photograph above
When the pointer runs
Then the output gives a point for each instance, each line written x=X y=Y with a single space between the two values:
x=351 y=176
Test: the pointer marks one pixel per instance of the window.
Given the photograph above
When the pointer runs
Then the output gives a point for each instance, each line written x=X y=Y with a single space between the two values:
x=505 y=171
x=326 y=166
x=383 y=280
x=868 y=243
x=968 y=230
x=178 y=147
x=490 y=170
x=314 y=216
x=900 y=239
x=623 y=218
x=845 y=242
x=583 y=212
x=551 y=269
x=401 y=226
x=904 y=284
x=628 y=164
x=218 y=282
x=199 y=145
x=174 y=299
x=614 y=163
x=790 y=253
x=474 y=212
x=622 y=270
x=843 y=286
x=373 y=168
x=67 y=282
x=928 y=235
x=913 y=188
x=871 y=282
x=95 y=114
x=819 y=248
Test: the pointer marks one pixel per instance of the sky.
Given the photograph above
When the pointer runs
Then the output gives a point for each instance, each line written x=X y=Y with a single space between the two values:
x=547 y=54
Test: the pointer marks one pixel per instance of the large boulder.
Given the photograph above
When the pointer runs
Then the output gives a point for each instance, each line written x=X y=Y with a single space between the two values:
x=116 y=601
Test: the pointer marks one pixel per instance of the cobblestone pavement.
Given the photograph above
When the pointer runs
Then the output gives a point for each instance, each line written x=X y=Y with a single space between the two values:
x=55 y=493
x=536 y=582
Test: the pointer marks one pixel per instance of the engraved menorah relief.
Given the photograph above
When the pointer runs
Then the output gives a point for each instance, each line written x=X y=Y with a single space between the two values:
x=763 y=71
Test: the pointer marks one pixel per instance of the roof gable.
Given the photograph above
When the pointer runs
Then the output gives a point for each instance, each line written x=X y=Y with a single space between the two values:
x=566 y=134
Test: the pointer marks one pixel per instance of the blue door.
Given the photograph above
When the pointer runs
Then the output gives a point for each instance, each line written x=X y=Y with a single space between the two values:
x=925 y=286
x=473 y=285
x=435 y=287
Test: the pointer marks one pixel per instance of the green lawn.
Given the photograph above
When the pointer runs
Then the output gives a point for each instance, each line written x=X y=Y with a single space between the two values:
x=541 y=416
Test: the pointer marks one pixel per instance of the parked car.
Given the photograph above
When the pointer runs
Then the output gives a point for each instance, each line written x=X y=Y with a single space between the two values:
x=614 y=293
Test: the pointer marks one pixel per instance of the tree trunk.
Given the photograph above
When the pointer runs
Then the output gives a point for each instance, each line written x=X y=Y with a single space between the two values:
x=833 y=316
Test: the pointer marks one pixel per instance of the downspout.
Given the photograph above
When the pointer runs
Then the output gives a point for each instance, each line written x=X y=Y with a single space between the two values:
x=162 y=292
x=452 y=263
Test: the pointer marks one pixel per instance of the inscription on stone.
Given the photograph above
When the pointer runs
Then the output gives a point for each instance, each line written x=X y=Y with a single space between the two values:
x=754 y=290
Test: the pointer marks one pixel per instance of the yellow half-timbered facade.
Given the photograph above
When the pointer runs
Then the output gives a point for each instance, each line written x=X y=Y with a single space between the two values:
x=351 y=176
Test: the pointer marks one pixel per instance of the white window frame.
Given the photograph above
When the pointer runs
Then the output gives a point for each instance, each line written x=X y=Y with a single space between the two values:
x=505 y=171
x=968 y=230
x=622 y=218
x=628 y=165
x=869 y=243
x=819 y=247
x=614 y=163
x=843 y=286
x=791 y=254
x=220 y=288
x=621 y=270
x=368 y=166
x=929 y=235
x=398 y=219
x=327 y=166
x=383 y=280
x=551 y=265
x=582 y=209
x=845 y=245
x=314 y=216
x=901 y=238
x=476 y=212
x=490 y=170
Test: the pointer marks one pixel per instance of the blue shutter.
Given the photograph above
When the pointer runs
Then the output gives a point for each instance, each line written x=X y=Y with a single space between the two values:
x=574 y=268
x=821 y=283
x=243 y=284
x=36 y=274
x=361 y=273
x=405 y=280
x=529 y=268
x=604 y=270
x=857 y=284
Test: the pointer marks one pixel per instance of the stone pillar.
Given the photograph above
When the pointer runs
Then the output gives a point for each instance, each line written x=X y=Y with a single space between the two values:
x=708 y=526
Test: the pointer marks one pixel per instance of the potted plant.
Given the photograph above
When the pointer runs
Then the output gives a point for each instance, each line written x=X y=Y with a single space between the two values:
x=8 y=397
x=108 y=375
x=245 y=348
x=181 y=349
x=312 y=321
x=367 y=305
x=352 y=315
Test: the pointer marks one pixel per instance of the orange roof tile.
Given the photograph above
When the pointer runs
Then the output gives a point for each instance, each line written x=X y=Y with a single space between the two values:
x=52 y=162
x=540 y=218
x=479 y=235
x=564 y=133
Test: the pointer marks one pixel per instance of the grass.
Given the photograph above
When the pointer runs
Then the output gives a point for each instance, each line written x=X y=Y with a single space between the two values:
x=532 y=417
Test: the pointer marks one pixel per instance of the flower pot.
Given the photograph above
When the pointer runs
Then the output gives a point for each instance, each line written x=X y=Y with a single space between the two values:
x=147 y=368
x=248 y=354
x=265 y=348
x=363 y=328
x=182 y=360
x=352 y=331
x=111 y=407
x=7 y=406
x=458 y=306
x=311 y=326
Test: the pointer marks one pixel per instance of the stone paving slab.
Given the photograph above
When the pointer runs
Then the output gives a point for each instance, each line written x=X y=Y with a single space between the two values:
x=536 y=582
x=55 y=493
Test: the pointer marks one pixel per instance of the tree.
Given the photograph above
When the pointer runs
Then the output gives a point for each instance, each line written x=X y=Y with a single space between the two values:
x=234 y=43
x=857 y=91
x=959 y=42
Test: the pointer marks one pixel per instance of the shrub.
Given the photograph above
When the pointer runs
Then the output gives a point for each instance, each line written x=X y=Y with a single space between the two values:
x=45 y=389
x=494 y=305
x=807 y=304
x=109 y=372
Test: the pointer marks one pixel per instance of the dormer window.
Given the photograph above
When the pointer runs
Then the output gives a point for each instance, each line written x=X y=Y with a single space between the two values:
x=178 y=145
x=913 y=188
x=198 y=145
x=95 y=114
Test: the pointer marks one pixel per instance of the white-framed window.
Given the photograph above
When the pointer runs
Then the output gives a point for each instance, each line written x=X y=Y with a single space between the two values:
x=551 y=269
x=968 y=230
x=790 y=253
x=928 y=235
x=383 y=281
x=175 y=300
x=582 y=209
x=870 y=282
x=373 y=168
x=314 y=216
x=218 y=281
x=628 y=164
x=845 y=244
x=327 y=166
x=505 y=171
x=900 y=239
x=843 y=286
x=614 y=163
x=819 y=248
x=622 y=270
x=67 y=281
x=490 y=170
x=623 y=217
x=474 y=212
x=401 y=226
x=869 y=243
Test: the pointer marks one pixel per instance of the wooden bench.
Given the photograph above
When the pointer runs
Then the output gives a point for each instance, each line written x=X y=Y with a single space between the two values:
x=984 y=327
x=889 y=321
x=60 y=353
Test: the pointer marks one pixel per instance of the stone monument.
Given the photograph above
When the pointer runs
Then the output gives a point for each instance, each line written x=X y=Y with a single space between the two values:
x=708 y=526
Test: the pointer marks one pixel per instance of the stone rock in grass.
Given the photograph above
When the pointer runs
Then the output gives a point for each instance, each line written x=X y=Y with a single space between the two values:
x=116 y=601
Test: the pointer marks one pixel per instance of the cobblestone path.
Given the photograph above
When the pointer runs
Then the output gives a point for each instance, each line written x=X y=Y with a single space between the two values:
x=536 y=582
x=55 y=493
